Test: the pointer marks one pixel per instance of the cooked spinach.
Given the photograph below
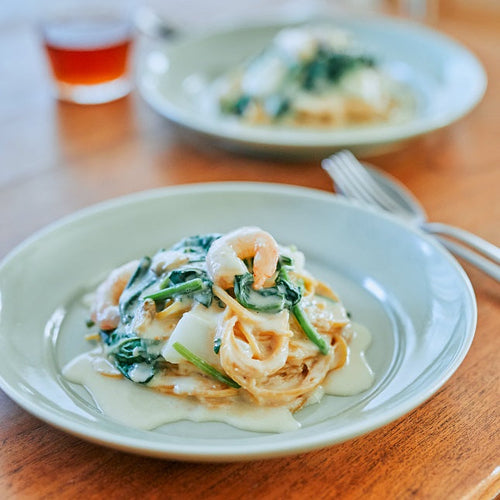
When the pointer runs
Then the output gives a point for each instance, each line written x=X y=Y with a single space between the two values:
x=217 y=344
x=284 y=293
x=139 y=281
x=204 y=366
x=237 y=106
x=186 y=281
x=183 y=289
x=186 y=273
x=179 y=282
x=140 y=272
x=276 y=105
x=329 y=66
x=268 y=300
x=131 y=350
x=197 y=245
x=131 y=355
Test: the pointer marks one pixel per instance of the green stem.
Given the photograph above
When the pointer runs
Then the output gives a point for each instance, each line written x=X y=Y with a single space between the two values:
x=204 y=366
x=165 y=283
x=181 y=289
x=309 y=329
x=305 y=324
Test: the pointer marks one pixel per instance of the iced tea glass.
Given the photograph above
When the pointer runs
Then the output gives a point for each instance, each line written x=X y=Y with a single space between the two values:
x=88 y=46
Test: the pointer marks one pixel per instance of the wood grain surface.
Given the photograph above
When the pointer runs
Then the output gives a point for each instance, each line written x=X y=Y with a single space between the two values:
x=56 y=158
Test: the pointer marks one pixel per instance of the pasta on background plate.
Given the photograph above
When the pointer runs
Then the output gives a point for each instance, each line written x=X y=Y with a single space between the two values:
x=313 y=76
x=232 y=325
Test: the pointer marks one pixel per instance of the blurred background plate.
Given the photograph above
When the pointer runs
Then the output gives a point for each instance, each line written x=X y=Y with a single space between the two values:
x=446 y=78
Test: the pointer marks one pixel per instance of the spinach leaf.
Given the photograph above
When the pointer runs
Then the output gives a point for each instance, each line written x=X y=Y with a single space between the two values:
x=284 y=293
x=139 y=281
x=131 y=356
x=199 y=243
x=330 y=66
x=276 y=105
x=186 y=281
x=217 y=345
x=235 y=106
x=187 y=273
x=268 y=300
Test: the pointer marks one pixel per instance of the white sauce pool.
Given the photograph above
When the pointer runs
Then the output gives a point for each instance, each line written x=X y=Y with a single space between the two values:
x=355 y=376
x=143 y=408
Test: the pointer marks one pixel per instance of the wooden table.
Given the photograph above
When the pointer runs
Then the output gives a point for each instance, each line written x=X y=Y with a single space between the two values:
x=56 y=158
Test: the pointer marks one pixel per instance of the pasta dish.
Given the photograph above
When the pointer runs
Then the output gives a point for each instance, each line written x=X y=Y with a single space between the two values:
x=314 y=76
x=221 y=321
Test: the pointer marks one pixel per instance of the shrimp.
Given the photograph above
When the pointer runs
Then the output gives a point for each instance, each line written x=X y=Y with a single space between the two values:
x=105 y=312
x=224 y=258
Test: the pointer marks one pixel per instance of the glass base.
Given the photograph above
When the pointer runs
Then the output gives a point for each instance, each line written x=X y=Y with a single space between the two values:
x=93 y=94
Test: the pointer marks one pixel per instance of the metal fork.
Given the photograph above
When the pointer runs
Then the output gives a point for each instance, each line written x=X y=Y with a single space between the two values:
x=365 y=184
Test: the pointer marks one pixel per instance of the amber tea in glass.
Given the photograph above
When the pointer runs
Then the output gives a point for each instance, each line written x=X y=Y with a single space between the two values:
x=89 y=57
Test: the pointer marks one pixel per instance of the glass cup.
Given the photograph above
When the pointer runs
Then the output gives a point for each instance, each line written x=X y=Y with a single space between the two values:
x=88 y=45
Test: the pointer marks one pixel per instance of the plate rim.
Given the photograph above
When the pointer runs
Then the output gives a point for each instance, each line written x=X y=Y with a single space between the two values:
x=192 y=452
x=258 y=136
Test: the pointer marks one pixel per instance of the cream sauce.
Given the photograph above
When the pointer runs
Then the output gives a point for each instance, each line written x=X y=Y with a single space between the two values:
x=356 y=375
x=143 y=408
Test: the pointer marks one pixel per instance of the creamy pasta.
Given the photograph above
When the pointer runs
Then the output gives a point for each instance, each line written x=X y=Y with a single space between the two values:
x=225 y=322
x=313 y=76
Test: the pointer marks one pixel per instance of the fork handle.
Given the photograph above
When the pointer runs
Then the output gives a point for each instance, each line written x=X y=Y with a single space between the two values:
x=481 y=253
x=485 y=265
x=478 y=244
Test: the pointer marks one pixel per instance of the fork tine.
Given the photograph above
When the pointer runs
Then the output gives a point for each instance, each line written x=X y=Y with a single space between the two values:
x=336 y=173
x=365 y=181
x=355 y=183
x=359 y=182
x=342 y=179
x=343 y=183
